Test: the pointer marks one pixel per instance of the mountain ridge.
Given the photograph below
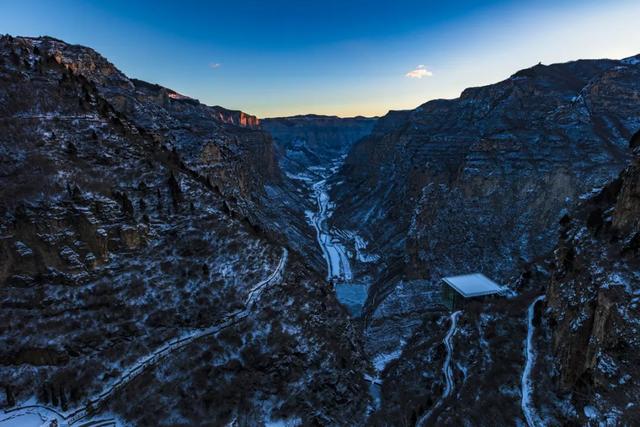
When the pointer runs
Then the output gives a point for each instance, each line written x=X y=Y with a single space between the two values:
x=128 y=222
x=299 y=258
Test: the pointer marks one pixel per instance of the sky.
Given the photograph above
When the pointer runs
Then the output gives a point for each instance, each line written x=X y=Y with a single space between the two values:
x=345 y=58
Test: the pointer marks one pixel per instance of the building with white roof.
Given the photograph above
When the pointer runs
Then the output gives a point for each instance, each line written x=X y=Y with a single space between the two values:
x=457 y=289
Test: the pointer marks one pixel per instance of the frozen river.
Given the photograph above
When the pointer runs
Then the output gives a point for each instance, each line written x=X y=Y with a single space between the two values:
x=335 y=247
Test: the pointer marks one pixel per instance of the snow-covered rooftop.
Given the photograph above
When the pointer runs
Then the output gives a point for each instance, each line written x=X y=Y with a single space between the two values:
x=473 y=285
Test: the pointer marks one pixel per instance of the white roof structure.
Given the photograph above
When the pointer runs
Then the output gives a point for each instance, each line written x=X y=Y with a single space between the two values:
x=473 y=285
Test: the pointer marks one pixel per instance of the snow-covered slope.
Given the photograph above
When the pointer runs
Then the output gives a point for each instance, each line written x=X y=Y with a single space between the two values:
x=132 y=236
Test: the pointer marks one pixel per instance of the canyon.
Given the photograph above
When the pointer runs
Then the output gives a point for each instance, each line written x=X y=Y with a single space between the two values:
x=165 y=262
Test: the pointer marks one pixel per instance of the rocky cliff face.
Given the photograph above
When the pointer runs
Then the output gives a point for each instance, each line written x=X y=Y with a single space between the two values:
x=593 y=303
x=230 y=160
x=319 y=133
x=478 y=183
x=160 y=259
x=129 y=222
x=313 y=140
x=580 y=337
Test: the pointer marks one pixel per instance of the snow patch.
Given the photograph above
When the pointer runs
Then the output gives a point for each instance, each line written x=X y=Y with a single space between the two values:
x=382 y=360
x=590 y=412
x=23 y=250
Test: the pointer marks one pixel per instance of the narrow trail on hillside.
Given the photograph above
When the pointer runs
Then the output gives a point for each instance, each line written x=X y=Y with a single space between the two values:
x=70 y=417
x=529 y=352
x=446 y=369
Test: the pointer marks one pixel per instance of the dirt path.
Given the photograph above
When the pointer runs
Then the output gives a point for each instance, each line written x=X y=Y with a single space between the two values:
x=446 y=369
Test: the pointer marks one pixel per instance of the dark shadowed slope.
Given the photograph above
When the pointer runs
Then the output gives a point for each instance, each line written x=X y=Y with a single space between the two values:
x=131 y=216
x=478 y=182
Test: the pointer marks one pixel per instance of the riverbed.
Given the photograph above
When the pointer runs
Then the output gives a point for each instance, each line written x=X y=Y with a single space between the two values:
x=336 y=250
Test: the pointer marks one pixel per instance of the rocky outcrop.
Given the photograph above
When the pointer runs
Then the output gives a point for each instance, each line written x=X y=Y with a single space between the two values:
x=237 y=118
x=131 y=216
x=225 y=149
x=478 y=183
x=593 y=307
x=323 y=135
x=181 y=124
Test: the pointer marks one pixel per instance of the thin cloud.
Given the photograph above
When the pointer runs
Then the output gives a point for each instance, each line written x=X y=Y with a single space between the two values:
x=215 y=65
x=419 y=72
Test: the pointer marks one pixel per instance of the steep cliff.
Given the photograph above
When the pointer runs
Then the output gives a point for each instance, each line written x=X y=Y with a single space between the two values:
x=574 y=322
x=164 y=260
x=319 y=133
x=478 y=183
x=593 y=303
x=312 y=139
x=236 y=162
x=126 y=236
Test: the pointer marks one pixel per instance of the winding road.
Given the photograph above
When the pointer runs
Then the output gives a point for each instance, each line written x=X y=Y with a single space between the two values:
x=446 y=369
x=527 y=387
x=72 y=416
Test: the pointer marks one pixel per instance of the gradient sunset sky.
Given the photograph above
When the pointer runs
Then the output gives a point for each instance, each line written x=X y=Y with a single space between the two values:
x=275 y=58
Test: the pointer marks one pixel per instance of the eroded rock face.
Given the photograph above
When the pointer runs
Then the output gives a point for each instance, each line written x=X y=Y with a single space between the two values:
x=478 y=183
x=183 y=125
x=585 y=339
x=593 y=303
x=314 y=139
x=131 y=216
